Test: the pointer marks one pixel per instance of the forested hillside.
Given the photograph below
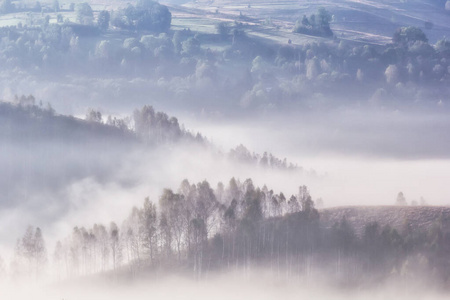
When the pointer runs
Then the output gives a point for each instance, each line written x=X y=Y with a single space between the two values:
x=45 y=151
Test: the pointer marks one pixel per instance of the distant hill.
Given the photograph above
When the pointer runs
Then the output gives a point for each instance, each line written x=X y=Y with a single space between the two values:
x=42 y=152
x=45 y=151
x=395 y=216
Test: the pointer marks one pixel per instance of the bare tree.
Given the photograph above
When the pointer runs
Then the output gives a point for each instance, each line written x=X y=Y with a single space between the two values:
x=173 y=207
x=149 y=227
x=116 y=251
x=58 y=258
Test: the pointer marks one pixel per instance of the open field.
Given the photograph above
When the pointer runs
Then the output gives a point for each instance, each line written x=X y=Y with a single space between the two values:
x=368 y=22
x=363 y=21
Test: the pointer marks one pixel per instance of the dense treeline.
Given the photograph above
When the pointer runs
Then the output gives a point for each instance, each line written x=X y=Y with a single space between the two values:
x=198 y=229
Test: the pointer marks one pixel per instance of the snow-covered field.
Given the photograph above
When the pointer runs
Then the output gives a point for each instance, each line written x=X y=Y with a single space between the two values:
x=358 y=20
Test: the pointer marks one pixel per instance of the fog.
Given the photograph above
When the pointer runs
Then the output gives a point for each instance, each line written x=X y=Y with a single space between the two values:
x=228 y=286
x=203 y=145
x=84 y=188
x=108 y=194
x=367 y=157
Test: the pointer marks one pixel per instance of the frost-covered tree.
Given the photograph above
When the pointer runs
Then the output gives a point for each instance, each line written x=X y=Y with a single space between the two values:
x=103 y=20
x=85 y=15
x=392 y=74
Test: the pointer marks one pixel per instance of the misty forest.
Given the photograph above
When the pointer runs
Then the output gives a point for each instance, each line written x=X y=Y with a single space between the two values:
x=231 y=149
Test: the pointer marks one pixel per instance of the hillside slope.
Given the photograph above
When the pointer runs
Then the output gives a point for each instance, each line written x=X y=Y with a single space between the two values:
x=396 y=216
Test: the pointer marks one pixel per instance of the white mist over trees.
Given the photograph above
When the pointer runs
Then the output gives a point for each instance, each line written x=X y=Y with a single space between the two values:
x=106 y=185
x=199 y=230
x=183 y=225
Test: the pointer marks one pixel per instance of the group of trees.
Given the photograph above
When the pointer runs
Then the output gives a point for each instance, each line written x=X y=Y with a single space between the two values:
x=155 y=128
x=198 y=229
x=316 y=24
x=30 y=255
x=197 y=226
x=389 y=75
x=146 y=15
x=401 y=200
x=382 y=253
x=241 y=154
